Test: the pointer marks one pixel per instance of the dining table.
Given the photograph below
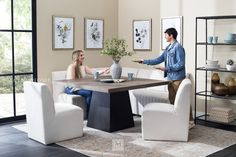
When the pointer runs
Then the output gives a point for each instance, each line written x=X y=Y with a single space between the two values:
x=110 y=108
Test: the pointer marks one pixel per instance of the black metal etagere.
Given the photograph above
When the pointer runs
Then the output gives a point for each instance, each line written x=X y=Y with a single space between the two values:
x=203 y=119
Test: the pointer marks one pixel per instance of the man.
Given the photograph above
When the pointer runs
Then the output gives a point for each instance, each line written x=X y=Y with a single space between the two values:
x=174 y=58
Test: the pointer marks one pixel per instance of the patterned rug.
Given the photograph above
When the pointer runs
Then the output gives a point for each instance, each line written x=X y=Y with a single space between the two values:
x=129 y=143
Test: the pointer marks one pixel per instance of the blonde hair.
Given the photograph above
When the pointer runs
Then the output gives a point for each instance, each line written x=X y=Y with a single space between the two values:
x=75 y=55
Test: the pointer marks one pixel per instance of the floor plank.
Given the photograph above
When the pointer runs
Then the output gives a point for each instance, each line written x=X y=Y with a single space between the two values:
x=227 y=152
x=15 y=143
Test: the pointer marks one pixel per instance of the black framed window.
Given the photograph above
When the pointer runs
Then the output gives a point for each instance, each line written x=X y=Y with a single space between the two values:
x=18 y=49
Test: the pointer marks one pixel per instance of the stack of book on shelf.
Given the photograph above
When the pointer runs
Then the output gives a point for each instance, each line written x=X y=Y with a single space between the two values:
x=222 y=114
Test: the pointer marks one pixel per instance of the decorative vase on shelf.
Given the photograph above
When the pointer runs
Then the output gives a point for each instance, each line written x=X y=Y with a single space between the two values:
x=232 y=86
x=229 y=67
x=116 y=69
x=215 y=79
x=232 y=82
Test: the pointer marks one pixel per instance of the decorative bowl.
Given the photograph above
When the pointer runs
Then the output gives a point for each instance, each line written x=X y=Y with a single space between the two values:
x=231 y=36
x=221 y=89
x=232 y=90
x=230 y=41
x=212 y=62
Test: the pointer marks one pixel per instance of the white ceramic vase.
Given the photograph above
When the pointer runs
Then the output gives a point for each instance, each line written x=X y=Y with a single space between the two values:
x=230 y=67
x=116 y=70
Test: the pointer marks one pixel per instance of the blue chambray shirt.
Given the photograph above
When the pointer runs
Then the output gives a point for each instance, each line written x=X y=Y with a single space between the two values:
x=174 y=58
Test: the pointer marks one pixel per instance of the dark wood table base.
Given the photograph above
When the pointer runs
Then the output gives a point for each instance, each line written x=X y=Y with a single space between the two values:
x=110 y=111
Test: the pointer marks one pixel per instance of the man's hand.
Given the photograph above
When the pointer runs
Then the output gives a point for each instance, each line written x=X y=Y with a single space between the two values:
x=160 y=68
x=140 y=61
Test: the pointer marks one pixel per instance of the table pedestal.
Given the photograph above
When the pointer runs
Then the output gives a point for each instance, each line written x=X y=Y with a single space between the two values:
x=110 y=111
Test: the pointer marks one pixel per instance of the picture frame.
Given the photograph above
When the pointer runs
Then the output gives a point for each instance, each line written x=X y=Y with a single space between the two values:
x=63 y=33
x=171 y=22
x=93 y=33
x=142 y=35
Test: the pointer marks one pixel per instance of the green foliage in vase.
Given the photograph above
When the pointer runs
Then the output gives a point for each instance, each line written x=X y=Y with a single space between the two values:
x=116 y=48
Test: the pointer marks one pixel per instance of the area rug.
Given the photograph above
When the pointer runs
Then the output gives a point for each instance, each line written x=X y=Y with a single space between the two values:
x=129 y=143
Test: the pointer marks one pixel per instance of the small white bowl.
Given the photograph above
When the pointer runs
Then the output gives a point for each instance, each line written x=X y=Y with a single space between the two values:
x=212 y=62
x=212 y=66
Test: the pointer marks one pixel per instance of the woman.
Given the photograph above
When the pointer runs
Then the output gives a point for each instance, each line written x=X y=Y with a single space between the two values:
x=77 y=70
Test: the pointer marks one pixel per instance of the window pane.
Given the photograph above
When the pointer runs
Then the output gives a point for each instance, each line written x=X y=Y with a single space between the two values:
x=6 y=97
x=5 y=53
x=20 y=99
x=23 y=52
x=22 y=14
x=5 y=14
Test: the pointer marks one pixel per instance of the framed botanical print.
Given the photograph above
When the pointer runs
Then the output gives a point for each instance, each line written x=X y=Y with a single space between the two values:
x=94 y=33
x=63 y=33
x=142 y=35
x=171 y=22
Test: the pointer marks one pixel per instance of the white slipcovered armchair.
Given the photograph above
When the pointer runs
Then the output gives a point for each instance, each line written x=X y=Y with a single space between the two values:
x=59 y=94
x=50 y=122
x=163 y=121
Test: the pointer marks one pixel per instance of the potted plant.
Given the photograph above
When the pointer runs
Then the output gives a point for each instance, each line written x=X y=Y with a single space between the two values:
x=116 y=48
x=230 y=65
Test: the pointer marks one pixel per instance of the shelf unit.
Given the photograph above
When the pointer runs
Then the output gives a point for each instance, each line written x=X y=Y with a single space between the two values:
x=204 y=117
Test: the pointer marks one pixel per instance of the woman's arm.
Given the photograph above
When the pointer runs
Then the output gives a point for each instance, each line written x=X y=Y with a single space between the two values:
x=88 y=70
x=105 y=71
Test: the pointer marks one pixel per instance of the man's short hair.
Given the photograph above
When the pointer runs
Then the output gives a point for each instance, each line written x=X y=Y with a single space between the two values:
x=172 y=31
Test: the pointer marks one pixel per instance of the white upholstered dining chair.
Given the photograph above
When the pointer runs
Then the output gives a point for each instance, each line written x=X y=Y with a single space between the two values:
x=59 y=94
x=50 y=122
x=163 y=121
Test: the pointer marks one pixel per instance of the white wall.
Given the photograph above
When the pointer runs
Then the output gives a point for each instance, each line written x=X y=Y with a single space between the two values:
x=130 y=10
x=189 y=9
x=118 y=16
x=50 y=60
x=192 y=9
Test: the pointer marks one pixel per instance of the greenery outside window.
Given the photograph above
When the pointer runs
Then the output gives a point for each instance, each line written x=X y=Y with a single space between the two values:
x=17 y=55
